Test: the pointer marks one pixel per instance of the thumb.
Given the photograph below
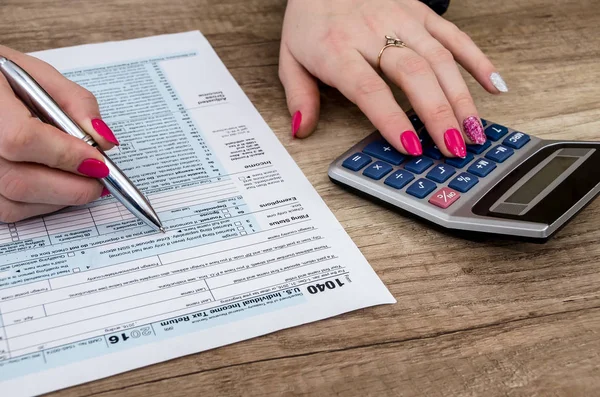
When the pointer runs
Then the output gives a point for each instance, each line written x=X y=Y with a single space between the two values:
x=80 y=104
x=302 y=94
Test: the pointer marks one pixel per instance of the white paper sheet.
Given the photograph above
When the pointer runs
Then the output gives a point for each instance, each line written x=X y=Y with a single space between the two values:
x=251 y=248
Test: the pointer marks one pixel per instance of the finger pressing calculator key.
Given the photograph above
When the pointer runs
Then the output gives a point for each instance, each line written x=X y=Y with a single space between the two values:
x=514 y=184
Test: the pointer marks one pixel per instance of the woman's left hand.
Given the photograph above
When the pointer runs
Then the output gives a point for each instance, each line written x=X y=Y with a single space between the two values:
x=338 y=42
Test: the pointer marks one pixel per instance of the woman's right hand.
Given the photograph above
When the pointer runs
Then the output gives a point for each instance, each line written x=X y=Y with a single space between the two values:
x=42 y=169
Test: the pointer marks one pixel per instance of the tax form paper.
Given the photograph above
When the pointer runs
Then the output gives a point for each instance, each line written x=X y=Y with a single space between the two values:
x=250 y=246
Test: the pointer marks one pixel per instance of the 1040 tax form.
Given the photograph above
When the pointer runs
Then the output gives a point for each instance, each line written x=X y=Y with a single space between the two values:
x=250 y=247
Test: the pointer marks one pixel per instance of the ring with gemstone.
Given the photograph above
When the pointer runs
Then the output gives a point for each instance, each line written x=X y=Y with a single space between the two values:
x=389 y=42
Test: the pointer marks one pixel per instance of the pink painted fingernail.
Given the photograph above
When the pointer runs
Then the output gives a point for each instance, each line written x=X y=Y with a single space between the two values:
x=455 y=143
x=411 y=143
x=296 y=120
x=104 y=131
x=93 y=168
x=474 y=130
x=105 y=192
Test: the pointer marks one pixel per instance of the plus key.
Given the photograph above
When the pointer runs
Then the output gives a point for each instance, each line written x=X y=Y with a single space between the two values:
x=444 y=197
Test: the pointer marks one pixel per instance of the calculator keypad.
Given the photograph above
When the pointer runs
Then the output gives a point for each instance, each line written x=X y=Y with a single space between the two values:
x=516 y=140
x=377 y=170
x=433 y=152
x=444 y=197
x=399 y=179
x=495 y=131
x=458 y=162
x=379 y=161
x=415 y=121
x=499 y=153
x=463 y=182
x=418 y=165
x=482 y=167
x=356 y=162
x=384 y=151
x=421 y=188
x=441 y=173
x=478 y=149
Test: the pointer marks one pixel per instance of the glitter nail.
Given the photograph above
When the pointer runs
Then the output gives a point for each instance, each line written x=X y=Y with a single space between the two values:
x=498 y=82
x=474 y=130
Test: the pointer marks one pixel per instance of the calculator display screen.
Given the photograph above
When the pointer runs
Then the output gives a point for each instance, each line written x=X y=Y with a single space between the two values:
x=541 y=180
x=546 y=186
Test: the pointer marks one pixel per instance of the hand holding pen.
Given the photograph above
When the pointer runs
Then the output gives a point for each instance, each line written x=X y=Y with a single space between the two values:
x=42 y=169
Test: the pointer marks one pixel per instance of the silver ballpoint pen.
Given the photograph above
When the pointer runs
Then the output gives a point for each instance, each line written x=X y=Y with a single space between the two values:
x=41 y=104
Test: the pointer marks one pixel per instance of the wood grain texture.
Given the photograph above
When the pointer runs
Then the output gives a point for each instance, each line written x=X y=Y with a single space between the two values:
x=473 y=317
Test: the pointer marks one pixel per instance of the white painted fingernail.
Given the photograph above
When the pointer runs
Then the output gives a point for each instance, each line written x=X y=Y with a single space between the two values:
x=498 y=82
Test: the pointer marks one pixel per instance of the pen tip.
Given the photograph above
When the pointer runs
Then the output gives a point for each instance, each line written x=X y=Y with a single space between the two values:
x=162 y=229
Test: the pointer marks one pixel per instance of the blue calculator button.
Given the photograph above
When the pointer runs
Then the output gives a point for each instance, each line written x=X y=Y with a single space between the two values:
x=416 y=122
x=441 y=172
x=399 y=179
x=421 y=188
x=418 y=164
x=516 y=140
x=384 y=151
x=356 y=161
x=433 y=152
x=424 y=138
x=484 y=122
x=478 y=149
x=482 y=167
x=499 y=153
x=464 y=182
x=377 y=170
x=496 y=131
x=458 y=162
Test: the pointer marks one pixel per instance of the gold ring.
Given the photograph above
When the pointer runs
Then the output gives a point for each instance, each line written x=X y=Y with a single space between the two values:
x=389 y=42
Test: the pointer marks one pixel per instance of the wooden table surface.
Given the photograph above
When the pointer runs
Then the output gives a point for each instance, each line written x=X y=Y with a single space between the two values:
x=472 y=318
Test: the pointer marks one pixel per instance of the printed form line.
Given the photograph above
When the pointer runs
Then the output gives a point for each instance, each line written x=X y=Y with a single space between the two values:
x=177 y=311
x=150 y=291
x=15 y=264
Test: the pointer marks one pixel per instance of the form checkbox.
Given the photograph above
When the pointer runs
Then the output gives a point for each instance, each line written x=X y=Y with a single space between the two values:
x=225 y=211
x=243 y=233
x=227 y=215
x=70 y=254
x=76 y=270
x=240 y=227
x=238 y=223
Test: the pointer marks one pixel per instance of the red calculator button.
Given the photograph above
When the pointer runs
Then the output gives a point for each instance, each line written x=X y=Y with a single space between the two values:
x=444 y=197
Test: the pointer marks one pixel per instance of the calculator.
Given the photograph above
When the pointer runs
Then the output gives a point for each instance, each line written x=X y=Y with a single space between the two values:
x=515 y=185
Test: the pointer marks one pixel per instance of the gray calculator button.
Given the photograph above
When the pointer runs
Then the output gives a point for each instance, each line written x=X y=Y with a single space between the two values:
x=509 y=209
x=574 y=152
